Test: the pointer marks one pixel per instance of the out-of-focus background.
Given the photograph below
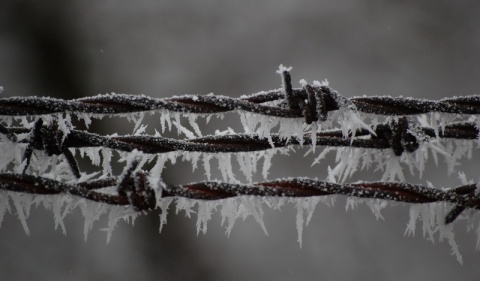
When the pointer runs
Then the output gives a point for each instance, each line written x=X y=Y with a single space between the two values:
x=72 y=49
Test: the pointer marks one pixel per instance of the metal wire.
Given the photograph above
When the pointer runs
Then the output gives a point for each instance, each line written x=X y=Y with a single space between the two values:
x=382 y=139
x=142 y=197
x=310 y=102
x=121 y=104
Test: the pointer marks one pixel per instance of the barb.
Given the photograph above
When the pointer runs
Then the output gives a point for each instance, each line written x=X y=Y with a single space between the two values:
x=141 y=196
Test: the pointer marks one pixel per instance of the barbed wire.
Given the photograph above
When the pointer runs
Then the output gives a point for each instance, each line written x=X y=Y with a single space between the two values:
x=395 y=135
x=322 y=99
x=135 y=190
x=383 y=138
x=311 y=102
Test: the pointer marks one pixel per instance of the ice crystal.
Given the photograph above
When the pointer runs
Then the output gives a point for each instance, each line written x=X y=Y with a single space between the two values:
x=236 y=167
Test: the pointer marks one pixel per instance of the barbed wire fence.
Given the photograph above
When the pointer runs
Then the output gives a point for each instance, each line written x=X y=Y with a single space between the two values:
x=40 y=148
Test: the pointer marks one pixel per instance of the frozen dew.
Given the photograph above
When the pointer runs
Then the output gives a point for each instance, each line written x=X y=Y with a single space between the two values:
x=253 y=206
x=136 y=119
x=164 y=204
x=248 y=164
x=117 y=213
x=282 y=69
x=180 y=128
x=225 y=167
x=393 y=169
x=193 y=123
x=22 y=203
x=348 y=161
x=230 y=213
x=206 y=165
x=165 y=120
x=4 y=205
x=264 y=126
x=432 y=216
x=305 y=209
x=376 y=206
x=106 y=162
x=92 y=211
x=86 y=117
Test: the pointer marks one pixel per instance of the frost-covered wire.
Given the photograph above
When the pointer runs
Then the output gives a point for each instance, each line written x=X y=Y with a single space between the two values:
x=142 y=198
x=111 y=104
x=385 y=136
x=272 y=121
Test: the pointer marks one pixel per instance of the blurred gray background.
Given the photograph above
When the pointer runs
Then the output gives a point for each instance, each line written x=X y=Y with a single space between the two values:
x=71 y=49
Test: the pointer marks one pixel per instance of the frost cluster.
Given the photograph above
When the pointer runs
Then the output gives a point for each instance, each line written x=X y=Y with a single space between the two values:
x=240 y=167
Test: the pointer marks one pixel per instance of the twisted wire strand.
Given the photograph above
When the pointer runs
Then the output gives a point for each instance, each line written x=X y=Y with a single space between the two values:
x=112 y=104
x=142 y=197
x=383 y=139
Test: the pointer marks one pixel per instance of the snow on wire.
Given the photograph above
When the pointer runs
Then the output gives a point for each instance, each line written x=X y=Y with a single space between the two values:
x=40 y=147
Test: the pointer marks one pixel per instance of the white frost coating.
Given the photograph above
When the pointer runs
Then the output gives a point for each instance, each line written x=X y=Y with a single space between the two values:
x=181 y=129
x=206 y=165
x=291 y=127
x=155 y=177
x=393 y=170
x=319 y=84
x=225 y=167
x=117 y=213
x=349 y=160
x=91 y=212
x=192 y=121
x=93 y=153
x=267 y=161
x=253 y=207
x=351 y=203
x=282 y=68
x=264 y=126
x=65 y=124
x=106 y=162
x=137 y=119
x=331 y=177
x=4 y=205
x=22 y=203
x=57 y=203
x=322 y=155
x=165 y=120
x=432 y=216
x=377 y=205
x=129 y=159
x=303 y=205
x=186 y=205
x=10 y=153
x=86 y=117
x=248 y=164
x=463 y=178
x=204 y=214
x=313 y=135
x=350 y=121
x=193 y=158
x=163 y=205
x=230 y=213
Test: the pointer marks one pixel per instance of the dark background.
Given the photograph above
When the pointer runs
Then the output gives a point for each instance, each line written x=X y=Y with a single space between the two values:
x=71 y=49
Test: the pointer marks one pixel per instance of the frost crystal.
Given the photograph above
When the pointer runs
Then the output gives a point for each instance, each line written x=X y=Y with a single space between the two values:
x=432 y=216
x=399 y=155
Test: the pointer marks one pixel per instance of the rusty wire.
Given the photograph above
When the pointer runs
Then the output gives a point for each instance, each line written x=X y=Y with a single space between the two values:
x=310 y=102
x=134 y=190
x=382 y=139
x=328 y=100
